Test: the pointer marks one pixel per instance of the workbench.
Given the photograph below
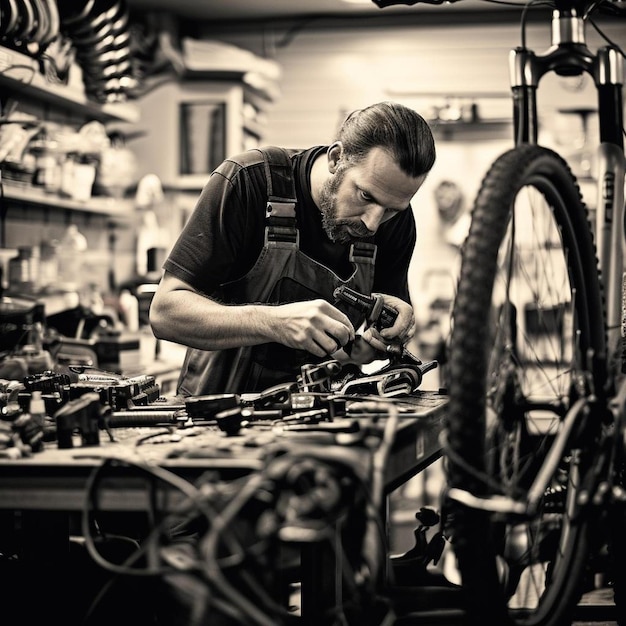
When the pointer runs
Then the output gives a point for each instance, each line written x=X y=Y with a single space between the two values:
x=48 y=500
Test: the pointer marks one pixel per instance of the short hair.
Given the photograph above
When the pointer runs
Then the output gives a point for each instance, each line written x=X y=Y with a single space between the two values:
x=393 y=127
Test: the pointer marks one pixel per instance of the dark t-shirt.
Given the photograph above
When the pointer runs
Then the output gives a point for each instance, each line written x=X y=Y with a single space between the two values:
x=225 y=233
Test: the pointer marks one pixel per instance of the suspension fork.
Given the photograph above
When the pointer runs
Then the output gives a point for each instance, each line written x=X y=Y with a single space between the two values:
x=610 y=172
x=570 y=56
x=525 y=126
x=567 y=56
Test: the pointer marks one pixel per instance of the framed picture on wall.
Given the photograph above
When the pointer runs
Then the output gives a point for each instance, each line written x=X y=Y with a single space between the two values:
x=202 y=136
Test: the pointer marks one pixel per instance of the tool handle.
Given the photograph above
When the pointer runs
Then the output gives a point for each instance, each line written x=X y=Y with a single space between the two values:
x=378 y=314
x=386 y=318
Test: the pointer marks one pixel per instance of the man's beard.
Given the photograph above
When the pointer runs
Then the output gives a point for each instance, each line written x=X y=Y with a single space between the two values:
x=334 y=227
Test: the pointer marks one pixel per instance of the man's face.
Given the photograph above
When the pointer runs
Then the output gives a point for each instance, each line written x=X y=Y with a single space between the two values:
x=357 y=198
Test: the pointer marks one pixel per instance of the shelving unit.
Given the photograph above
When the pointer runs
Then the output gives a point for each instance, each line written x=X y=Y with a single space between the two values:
x=29 y=214
x=20 y=78
x=161 y=149
x=258 y=98
x=20 y=73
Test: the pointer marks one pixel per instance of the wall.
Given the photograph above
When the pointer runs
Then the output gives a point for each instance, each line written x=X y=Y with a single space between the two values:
x=330 y=68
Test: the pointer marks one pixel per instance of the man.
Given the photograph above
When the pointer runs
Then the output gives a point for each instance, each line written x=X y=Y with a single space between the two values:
x=249 y=284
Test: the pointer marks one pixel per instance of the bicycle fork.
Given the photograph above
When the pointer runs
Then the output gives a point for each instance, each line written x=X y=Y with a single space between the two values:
x=610 y=229
x=569 y=55
x=608 y=74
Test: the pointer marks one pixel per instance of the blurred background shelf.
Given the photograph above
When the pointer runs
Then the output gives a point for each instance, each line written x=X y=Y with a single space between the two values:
x=20 y=73
x=118 y=208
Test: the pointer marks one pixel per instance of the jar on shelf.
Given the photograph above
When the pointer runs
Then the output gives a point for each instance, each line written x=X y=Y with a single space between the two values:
x=24 y=270
x=48 y=163
x=78 y=174
x=117 y=169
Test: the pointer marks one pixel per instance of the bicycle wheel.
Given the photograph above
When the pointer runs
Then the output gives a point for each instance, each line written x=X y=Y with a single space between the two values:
x=528 y=335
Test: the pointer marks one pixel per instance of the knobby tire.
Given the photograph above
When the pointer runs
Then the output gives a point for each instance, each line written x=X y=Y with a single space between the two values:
x=525 y=342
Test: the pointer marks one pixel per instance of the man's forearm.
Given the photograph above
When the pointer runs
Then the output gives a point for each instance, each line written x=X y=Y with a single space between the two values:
x=184 y=316
x=196 y=321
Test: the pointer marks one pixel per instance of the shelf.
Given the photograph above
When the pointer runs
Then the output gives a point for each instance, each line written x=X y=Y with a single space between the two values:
x=486 y=129
x=35 y=84
x=112 y=207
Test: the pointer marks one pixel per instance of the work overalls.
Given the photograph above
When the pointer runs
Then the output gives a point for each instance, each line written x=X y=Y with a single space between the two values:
x=281 y=274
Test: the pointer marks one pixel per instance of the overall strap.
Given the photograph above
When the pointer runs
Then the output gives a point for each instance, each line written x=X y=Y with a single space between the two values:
x=362 y=252
x=280 y=210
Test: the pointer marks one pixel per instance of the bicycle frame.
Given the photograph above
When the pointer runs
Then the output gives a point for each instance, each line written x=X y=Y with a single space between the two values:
x=570 y=56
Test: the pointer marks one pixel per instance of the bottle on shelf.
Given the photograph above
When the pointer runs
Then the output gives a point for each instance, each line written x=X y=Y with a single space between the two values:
x=70 y=252
x=48 y=264
x=129 y=308
x=150 y=236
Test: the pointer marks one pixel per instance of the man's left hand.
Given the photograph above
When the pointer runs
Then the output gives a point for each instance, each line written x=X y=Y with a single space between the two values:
x=402 y=330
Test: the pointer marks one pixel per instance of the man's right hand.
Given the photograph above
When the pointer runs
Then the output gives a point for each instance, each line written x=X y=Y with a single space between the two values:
x=314 y=325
